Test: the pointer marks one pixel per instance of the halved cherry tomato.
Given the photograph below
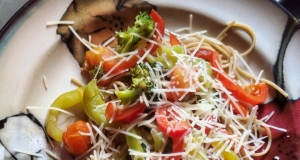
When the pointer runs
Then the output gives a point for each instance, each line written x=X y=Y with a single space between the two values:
x=126 y=115
x=103 y=53
x=74 y=142
x=178 y=81
x=174 y=40
x=170 y=126
x=258 y=93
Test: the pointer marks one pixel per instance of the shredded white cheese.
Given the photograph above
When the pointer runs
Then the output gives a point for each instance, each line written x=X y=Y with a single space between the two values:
x=59 y=22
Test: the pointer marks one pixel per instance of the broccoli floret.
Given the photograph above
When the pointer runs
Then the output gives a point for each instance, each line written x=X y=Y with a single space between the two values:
x=142 y=26
x=140 y=76
x=94 y=71
x=141 y=82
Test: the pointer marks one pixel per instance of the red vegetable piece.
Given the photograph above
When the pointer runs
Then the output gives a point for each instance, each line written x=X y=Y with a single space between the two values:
x=178 y=81
x=178 y=146
x=174 y=40
x=258 y=93
x=74 y=142
x=126 y=115
x=170 y=126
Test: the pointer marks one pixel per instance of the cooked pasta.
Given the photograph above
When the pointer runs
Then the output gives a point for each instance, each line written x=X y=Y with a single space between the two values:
x=191 y=109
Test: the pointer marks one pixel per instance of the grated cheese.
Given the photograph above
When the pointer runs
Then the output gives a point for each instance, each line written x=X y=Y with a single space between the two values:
x=100 y=65
x=45 y=82
x=108 y=41
x=123 y=132
x=123 y=55
x=52 y=154
x=51 y=108
x=145 y=54
x=59 y=22
x=91 y=133
x=29 y=153
x=153 y=154
x=81 y=40
x=173 y=90
x=100 y=133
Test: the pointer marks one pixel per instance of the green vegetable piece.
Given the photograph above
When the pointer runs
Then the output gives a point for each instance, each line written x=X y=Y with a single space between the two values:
x=159 y=140
x=178 y=49
x=146 y=136
x=143 y=26
x=100 y=72
x=93 y=104
x=141 y=82
x=141 y=79
x=128 y=95
x=207 y=65
x=64 y=101
x=166 y=55
x=134 y=143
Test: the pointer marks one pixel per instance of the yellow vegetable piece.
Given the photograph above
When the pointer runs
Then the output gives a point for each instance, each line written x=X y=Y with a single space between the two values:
x=64 y=101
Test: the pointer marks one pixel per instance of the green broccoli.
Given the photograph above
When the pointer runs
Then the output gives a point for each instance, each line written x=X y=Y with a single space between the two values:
x=95 y=71
x=140 y=76
x=141 y=82
x=142 y=26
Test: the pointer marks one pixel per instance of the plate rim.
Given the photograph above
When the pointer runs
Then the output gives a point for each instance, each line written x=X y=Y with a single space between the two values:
x=30 y=3
x=14 y=18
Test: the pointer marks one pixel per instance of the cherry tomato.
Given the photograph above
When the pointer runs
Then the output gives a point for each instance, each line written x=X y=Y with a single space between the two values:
x=170 y=126
x=95 y=58
x=74 y=142
x=178 y=81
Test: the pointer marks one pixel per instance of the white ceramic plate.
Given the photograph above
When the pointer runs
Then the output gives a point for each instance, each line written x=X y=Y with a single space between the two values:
x=29 y=50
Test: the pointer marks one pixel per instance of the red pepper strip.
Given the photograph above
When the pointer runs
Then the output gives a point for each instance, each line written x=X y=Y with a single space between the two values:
x=126 y=115
x=243 y=110
x=178 y=146
x=258 y=93
x=160 y=27
x=174 y=128
x=174 y=40
x=170 y=126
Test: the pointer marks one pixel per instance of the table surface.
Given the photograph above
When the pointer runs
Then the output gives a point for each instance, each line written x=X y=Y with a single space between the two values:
x=9 y=7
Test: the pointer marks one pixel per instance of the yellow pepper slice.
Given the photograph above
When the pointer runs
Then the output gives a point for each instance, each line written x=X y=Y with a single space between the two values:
x=64 y=101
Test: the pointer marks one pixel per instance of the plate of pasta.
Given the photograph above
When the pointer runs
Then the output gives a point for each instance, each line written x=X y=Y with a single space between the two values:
x=150 y=80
